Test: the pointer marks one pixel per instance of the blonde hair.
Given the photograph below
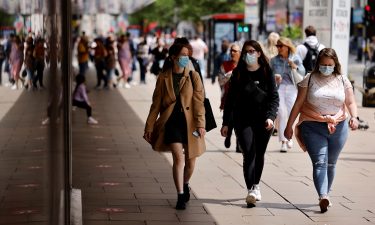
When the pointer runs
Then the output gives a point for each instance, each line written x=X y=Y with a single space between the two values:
x=288 y=43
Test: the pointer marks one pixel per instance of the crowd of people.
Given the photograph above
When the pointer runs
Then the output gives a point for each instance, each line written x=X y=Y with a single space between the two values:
x=260 y=84
x=24 y=61
x=264 y=89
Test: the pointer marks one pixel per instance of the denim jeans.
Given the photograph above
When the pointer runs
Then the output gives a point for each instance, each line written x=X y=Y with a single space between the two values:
x=324 y=150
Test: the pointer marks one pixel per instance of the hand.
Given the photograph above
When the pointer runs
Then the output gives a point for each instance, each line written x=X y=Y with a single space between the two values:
x=269 y=124
x=353 y=123
x=224 y=131
x=201 y=131
x=278 y=79
x=292 y=64
x=288 y=133
x=147 y=136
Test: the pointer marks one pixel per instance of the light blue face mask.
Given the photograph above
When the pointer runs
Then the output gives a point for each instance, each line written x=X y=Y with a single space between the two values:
x=250 y=59
x=183 y=61
x=326 y=70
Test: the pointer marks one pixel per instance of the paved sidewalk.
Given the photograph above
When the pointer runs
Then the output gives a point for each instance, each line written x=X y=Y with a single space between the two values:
x=124 y=182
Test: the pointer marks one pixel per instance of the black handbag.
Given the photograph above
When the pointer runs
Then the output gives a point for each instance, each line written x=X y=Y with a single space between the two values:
x=210 y=118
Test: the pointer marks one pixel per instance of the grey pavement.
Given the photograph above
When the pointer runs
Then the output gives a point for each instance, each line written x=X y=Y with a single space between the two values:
x=123 y=181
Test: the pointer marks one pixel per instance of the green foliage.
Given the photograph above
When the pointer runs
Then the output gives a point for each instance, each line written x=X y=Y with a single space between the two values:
x=292 y=32
x=163 y=11
x=6 y=19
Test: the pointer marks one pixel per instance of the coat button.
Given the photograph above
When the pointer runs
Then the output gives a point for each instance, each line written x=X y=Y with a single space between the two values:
x=187 y=108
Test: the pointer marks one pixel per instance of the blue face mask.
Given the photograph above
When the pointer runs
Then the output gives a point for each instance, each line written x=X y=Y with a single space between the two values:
x=250 y=59
x=326 y=70
x=183 y=61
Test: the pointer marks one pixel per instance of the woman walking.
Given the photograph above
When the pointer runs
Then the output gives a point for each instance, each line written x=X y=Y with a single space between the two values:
x=283 y=65
x=253 y=100
x=322 y=130
x=176 y=120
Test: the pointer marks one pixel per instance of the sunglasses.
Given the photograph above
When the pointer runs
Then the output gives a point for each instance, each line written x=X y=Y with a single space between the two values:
x=279 y=46
x=233 y=50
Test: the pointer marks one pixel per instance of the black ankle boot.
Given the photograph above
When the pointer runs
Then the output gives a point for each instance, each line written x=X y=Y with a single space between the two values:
x=180 y=205
x=186 y=192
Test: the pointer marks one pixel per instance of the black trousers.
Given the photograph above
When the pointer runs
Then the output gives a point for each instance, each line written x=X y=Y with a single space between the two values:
x=253 y=141
x=83 y=105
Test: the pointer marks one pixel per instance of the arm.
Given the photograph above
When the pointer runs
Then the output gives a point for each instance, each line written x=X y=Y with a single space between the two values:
x=273 y=97
x=154 y=110
x=301 y=97
x=352 y=107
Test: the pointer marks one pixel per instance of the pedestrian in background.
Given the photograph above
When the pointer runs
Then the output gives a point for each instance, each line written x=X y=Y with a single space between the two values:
x=83 y=51
x=2 y=58
x=29 y=62
x=226 y=71
x=308 y=51
x=283 y=65
x=100 y=62
x=125 y=59
x=81 y=100
x=222 y=57
x=39 y=55
x=176 y=120
x=270 y=48
x=322 y=130
x=16 y=60
x=252 y=101
x=143 y=50
x=199 y=49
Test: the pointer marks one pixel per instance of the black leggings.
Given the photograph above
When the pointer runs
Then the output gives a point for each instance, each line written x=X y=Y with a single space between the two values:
x=253 y=141
x=83 y=105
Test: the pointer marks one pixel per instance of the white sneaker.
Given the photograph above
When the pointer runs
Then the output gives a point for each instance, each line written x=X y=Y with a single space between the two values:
x=283 y=147
x=127 y=86
x=253 y=195
x=289 y=144
x=14 y=87
x=256 y=190
x=91 y=120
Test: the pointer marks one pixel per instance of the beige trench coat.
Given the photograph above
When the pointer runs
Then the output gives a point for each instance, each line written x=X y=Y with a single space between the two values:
x=163 y=102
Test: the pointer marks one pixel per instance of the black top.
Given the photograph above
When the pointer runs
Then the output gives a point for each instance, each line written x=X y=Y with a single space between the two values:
x=176 y=82
x=252 y=97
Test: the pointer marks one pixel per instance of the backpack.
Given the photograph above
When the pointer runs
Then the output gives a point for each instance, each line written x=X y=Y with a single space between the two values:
x=311 y=57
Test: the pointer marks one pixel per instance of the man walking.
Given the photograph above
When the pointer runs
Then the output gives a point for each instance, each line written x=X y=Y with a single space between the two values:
x=308 y=51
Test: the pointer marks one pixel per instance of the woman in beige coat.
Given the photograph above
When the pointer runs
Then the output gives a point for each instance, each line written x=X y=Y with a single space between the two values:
x=177 y=111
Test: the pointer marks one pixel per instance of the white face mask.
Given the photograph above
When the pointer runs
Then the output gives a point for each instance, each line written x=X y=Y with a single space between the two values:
x=326 y=70
x=251 y=59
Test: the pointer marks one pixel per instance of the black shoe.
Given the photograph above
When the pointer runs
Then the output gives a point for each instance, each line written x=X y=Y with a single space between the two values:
x=180 y=205
x=274 y=133
x=227 y=142
x=186 y=192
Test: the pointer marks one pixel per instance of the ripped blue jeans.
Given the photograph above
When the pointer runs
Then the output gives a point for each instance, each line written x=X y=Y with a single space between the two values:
x=324 y=150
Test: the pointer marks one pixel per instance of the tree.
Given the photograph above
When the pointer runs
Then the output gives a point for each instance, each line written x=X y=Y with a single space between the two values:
x=6 y=19
x=163 y=11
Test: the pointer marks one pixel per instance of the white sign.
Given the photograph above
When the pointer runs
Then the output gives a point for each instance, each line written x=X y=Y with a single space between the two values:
x=331 y=19
x=317 y=13
x=252 y=16
x=340 y=31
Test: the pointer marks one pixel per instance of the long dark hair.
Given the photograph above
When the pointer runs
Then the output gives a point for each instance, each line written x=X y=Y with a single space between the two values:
x=262 y=60
x=329 y=53
x=80 y=79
